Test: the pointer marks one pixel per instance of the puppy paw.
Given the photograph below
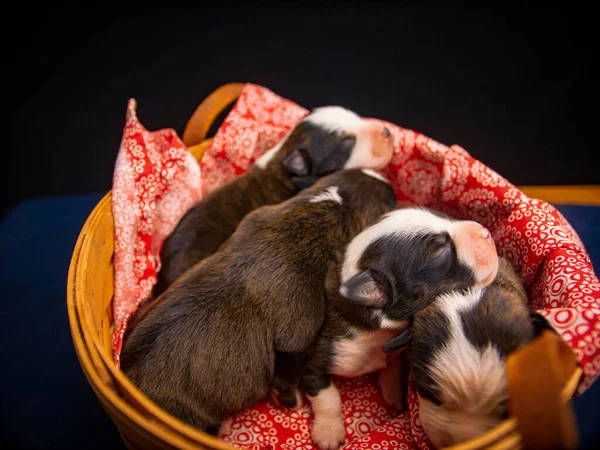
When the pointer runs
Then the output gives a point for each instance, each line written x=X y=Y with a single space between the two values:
x=328 y=433
x=289 y=399
x=286 y=394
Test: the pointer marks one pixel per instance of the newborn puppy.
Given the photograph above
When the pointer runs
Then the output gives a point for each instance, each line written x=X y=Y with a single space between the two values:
x=391 y=270
x=458 y=354
x=206 y=348
x=327 y=140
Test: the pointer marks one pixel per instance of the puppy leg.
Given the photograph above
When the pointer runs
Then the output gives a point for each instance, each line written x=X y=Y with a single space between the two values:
x=393 y=380
x=289 y=369
x=327 y=429
x=284 y=393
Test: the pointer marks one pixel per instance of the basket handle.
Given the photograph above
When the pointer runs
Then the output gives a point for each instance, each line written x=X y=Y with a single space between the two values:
x=536 y=376
x=205 y=114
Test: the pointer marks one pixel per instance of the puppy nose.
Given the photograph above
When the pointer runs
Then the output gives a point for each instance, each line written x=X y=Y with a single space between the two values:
x=386 y=132
x=485 y=233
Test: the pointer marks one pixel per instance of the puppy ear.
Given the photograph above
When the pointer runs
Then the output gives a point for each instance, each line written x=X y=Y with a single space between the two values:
x=402 y=340
x=301 y=183
x=297 y=163
x=364 y=290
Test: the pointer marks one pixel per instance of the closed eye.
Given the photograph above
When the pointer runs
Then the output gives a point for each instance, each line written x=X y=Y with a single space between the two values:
x=441 y=251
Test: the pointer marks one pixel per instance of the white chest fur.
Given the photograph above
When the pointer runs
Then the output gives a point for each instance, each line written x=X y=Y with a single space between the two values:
x=361 y=354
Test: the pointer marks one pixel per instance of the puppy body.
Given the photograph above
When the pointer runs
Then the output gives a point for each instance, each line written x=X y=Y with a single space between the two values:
x=458 y=352
x=206 y=349
x=390 y=271
x=329 y=139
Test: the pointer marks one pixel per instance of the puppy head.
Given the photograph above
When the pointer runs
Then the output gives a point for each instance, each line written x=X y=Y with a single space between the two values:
x=411 y=256
x=458 y=355
x=327 y=140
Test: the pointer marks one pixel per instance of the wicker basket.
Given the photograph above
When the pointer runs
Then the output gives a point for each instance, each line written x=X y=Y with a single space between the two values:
x=141 y=423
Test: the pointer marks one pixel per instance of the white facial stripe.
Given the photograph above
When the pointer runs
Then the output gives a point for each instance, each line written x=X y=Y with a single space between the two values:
x=335 y=119
x=329 y=194
x=468 y=379
x=374 y=174
x=403 y=223
x=361 y=155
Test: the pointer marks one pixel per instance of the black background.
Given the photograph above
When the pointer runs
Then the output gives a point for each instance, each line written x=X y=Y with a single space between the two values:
x=513 y=86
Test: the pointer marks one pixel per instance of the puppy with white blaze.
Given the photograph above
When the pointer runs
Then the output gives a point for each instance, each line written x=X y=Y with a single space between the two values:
x=390 y=271
x=457 y=354
x=327 y=140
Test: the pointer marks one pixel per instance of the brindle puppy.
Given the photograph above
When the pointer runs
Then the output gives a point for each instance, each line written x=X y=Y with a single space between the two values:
x=327 y=140
x=206 y=349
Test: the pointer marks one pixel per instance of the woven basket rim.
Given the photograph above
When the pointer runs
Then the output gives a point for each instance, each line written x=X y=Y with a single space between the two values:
x=88 y=347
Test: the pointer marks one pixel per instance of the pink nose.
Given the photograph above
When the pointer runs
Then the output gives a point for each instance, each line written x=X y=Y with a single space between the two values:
x=485 y=233
x=476 y=248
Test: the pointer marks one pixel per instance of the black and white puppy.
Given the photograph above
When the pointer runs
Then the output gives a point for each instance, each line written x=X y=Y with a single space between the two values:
x=206 y=348
x=391 y=270
x=327 y=140
x=458 y=351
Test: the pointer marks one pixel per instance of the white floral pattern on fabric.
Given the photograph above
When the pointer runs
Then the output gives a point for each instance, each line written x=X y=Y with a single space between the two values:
x=156 y=180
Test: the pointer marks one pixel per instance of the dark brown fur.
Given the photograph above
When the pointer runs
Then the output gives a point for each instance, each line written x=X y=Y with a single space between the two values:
x=308 y=153
x=206 y=348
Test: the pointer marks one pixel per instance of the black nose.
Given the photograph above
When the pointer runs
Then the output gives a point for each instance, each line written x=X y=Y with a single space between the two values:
x=386 y=132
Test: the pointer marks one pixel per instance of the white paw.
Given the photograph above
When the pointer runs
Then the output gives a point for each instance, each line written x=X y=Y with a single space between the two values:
x=328 y=432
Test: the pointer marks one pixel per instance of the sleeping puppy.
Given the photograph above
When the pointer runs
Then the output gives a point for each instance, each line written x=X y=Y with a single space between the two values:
x=206 y=348
x=458 y=353
x=391 y=270
x=327 y=140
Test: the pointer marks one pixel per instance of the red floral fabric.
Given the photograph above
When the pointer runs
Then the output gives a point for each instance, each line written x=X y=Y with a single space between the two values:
x=156 y=180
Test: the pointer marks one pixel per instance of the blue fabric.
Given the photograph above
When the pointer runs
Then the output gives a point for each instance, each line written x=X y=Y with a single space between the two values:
x=46 y=400
x=586 y=221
